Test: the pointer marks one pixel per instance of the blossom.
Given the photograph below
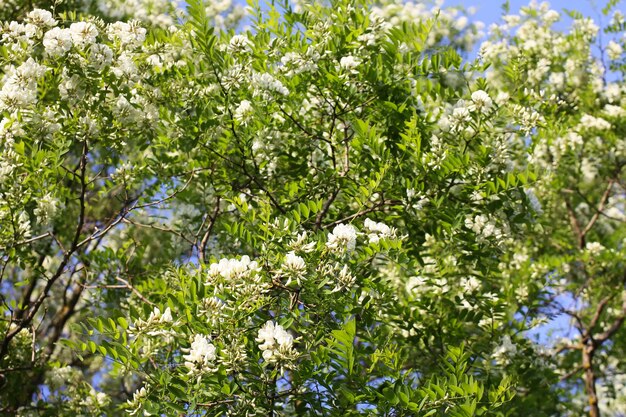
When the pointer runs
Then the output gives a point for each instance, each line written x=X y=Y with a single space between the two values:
x=201 y=355
x=83 y=33
x=349 y=62
x=614 y=111
x=129 y=34
x=614 y=50
x=232 y=268
x=343 y=237
x=266 y=82
x=275 y=342
x=57 y=41
x=378 y=231
x=505 y=351
x=594 y=248
x=41 y=18
x=46 y=208
x=100 y=56
x=134 y=405
x=345 y=279
x=481 y=102
x=294 y=263
x=243 y=111
x=590 y=122
x=240 y=44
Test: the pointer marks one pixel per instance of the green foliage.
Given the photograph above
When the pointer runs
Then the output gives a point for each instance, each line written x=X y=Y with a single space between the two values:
x=331 y=212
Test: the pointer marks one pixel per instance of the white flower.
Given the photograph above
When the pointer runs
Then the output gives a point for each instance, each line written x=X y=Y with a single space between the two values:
x=167 y=316
x=100 y=56
x=83 y=33
x=505 y=351
x=343 y=237
x=232 y=268
x=294 y=263
x=201 y=355
x=128 y=34
x=349 y=62
x=134 y=405
x=240 y=44
x=275 y=342
x=614 y=50
x=344 y=280
x=266 y=82
x=299 y=243
x=590 y=122
x=125 y=66
x=614 y=111
x=57 y=41
x=586 y=27
x=594 y=248
x=41 y=18
x=470 y=284
x=47 y=207
x=481 y=102
x=378 y=231
x=23 y=225
x=243 y=111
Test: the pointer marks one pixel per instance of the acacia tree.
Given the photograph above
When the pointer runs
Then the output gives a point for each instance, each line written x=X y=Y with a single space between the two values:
x=328 y=211
x=574 y=80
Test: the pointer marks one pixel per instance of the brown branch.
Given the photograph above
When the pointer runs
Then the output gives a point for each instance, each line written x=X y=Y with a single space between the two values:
x=205 y=238
x=363 y=212
x=614 y=327
x=34 y=308
x=571 y=373
x=601 y=204
x=580 y=238
x=598 y=313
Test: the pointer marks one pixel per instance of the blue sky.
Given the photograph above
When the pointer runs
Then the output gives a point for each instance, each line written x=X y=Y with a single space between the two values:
x=489 y=11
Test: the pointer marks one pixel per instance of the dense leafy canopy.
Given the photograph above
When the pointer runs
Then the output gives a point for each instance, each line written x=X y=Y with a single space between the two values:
x=311 y=208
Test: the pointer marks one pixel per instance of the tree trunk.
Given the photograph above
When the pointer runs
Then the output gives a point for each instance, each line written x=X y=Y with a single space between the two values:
x=590 y=380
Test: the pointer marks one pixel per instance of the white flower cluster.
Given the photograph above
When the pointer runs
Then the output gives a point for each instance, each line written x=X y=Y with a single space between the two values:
x=614 y=111
x=231 y=269
x=128 y=34
x=590 y=122
x=83 y=34
x=240 y=44
x=594 y=248
x=452 y=25
x=377 y=231
x=47 y=207
x=40 y=18
x=350 y=63
x=134 y=406
x=484 y=227
x=614 y=50
x=481 y=102
x=275 y=342
x=295 y=63
x=505 y=352
x=527 y=117
x=158 y=324
x=345 y=279
x=201 y=357
x=243 y=112
x=264 y=83
x=300 y=244
x=20 y=86
x=293 y=267
x=342 y=238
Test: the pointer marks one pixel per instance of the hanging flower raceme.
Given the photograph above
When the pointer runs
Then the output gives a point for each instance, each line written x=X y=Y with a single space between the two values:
x=201 y=357
x=276 y=343
x=342 y=238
